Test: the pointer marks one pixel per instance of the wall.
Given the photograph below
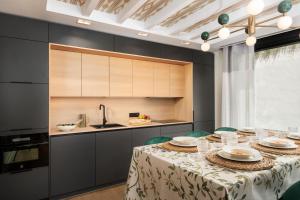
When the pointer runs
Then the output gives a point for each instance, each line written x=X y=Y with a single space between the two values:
x=117 y=109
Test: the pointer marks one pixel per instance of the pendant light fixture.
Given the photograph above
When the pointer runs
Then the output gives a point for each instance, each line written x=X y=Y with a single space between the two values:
x=254 y=8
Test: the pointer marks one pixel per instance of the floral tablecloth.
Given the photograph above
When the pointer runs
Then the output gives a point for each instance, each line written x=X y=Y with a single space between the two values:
x=159 y=174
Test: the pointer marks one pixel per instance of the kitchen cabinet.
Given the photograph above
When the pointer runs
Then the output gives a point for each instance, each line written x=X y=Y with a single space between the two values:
x=23 y=60
x=72 y=160
x=120 y=77
x=141 y=135
x=113 y=156
x=208 y=126
x=23 y=28
x=32 y=184
x=175 y=130
x=65 y=73
x=95 y=75
x=203 y=90
x=137 y=47
x=161 y=80
x=23 y=106
x=142 y=78
x=177 y=81
x=69 y=35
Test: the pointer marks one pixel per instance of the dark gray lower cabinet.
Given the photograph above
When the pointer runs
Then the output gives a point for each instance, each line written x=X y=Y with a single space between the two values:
x=72 y=163
x=141 y=135
x=113 y=156
x=28 y=185
x=175 y=130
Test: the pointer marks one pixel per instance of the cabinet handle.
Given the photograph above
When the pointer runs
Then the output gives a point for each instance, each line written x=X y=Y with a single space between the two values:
x=22 y=129
x=22 y=82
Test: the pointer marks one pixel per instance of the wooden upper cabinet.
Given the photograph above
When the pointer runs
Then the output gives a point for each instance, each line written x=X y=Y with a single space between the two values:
x=177 y=80
x=143 y=78
x=161 y=80
x=65 y=71
x=120 y=77
x=95 y=75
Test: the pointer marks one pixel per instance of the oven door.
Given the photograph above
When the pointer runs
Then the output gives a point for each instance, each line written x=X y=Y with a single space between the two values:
x=18 y=158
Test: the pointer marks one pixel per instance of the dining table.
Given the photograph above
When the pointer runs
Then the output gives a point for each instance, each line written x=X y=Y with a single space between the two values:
x=160 y=174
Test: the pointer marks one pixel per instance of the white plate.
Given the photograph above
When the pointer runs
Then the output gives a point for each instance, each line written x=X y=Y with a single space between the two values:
x=295 y=136
x=173 y=142
x=247 y=130
x=185 y=140
x=219 y=133
x=290 y=146
x=255 y=157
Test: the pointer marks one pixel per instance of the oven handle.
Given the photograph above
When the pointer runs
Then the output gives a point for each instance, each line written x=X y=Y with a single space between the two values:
x=20 y=171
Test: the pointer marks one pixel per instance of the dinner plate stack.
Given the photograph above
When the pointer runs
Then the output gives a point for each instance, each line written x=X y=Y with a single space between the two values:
x=279 y=143
x=240 y=153
x=295 y=136
x=218 y=134
x=249 y=130
x=184 y=141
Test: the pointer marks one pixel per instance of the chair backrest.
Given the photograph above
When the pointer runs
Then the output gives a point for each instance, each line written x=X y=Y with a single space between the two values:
x=197 y=133
x=226 y=129
x=157 y=140
x=293 y=193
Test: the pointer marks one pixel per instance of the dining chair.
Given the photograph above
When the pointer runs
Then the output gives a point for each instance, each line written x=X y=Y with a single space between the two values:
x=197 y=133
x=226 y=129
x=157 y=140
x=293 y=192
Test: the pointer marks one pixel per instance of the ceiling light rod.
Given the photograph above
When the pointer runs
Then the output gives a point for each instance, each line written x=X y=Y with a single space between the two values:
x=254 y=8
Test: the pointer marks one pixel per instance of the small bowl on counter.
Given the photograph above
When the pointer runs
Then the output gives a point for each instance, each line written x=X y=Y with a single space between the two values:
x=66 y=127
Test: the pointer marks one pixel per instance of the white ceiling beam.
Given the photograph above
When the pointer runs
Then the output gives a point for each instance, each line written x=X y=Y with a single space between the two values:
x=201 y=14
x=88 y=7
x=129 y=9
x=166 y=12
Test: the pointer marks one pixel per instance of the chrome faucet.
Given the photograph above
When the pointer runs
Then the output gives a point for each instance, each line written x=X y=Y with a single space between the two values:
x=104 y=118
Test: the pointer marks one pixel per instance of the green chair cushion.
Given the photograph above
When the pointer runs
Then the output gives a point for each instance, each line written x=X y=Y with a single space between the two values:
x=197 y=133
x=226 y=129
x=293 y=193
x=157 y=140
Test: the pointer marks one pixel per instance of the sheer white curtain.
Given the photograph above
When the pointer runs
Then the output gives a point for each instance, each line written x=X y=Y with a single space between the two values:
x=235 y=90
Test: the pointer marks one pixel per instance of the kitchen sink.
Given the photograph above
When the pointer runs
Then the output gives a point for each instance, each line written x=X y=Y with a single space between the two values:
x=99 y=126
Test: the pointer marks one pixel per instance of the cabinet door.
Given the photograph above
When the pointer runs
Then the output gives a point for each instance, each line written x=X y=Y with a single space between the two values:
x=161 y=80
x=143 y=78
x=113 y=156
x=177 y=80
x=25 y=185
x=65 y=72
x=23 y=61
x=141 y=135
x=120 y=77
x=208 y=126
x=175 y=130
x=204 y=97
x=95 y=75
x=23 y=106
x=72 y=163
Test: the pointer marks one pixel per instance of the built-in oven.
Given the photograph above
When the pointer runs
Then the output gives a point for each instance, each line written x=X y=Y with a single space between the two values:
x=23 y=152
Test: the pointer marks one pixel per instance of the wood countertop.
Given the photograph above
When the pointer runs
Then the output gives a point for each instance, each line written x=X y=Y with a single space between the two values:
x=89 y=129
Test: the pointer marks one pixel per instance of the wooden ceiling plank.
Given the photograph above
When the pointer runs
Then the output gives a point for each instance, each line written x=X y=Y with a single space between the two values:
x=129 y=10
x=167 y=11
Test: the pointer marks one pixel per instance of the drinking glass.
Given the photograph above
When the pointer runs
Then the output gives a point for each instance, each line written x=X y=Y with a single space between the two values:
x=293 y=129
x=229 y=138
x=232 y=139
x=202 y=146
x=261 y=133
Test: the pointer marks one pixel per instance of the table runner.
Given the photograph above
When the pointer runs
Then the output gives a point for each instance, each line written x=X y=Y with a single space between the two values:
x=159 y=174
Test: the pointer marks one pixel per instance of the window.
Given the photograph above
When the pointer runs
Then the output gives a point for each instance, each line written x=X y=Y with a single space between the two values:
x=277 y=88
